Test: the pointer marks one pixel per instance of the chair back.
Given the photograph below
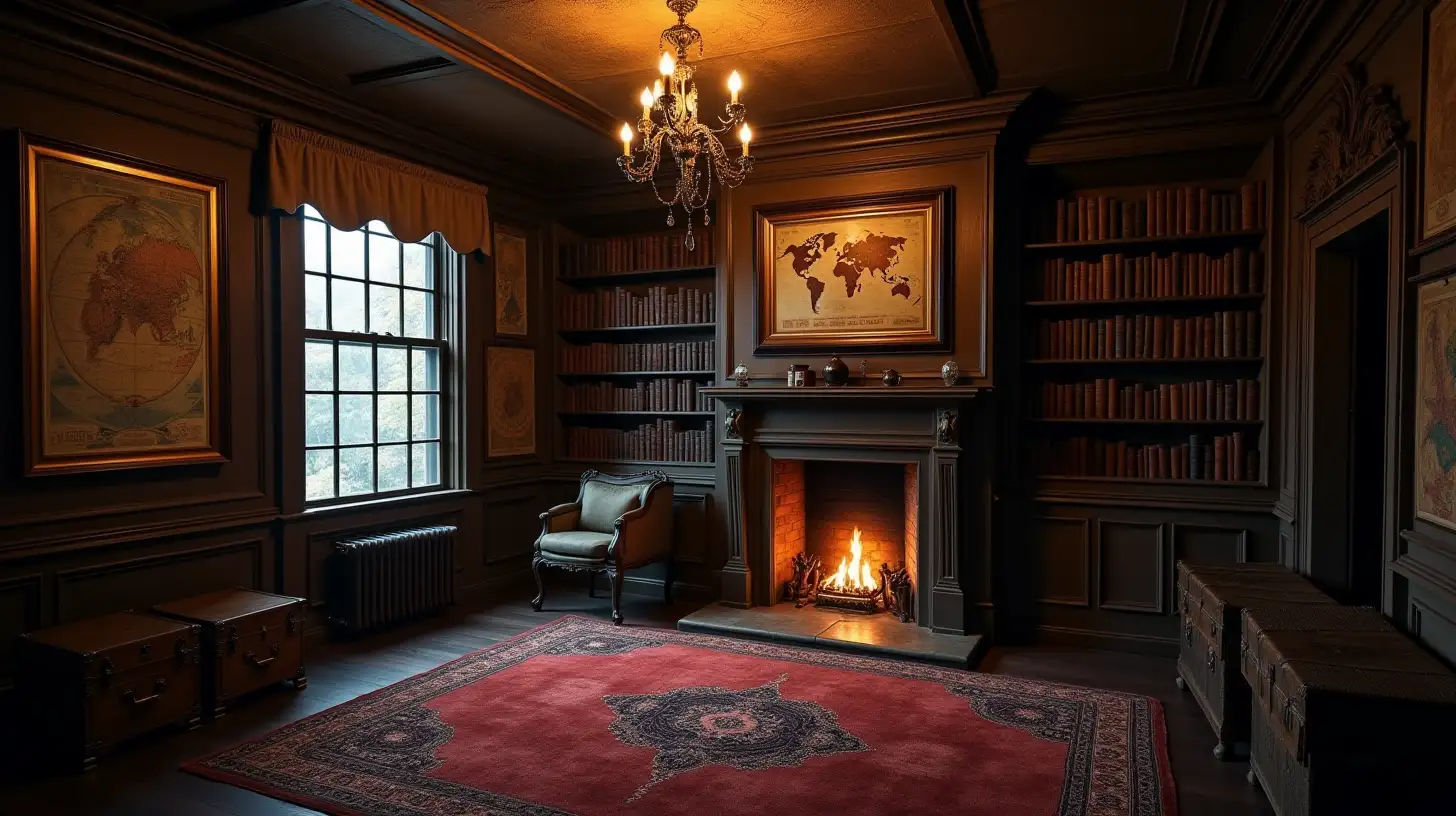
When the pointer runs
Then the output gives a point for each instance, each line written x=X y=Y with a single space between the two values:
x=605 y=497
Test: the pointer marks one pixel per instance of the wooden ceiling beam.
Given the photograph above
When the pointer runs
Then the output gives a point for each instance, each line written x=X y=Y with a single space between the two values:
x=405 y=72
x=962 y=22
x=198 y=22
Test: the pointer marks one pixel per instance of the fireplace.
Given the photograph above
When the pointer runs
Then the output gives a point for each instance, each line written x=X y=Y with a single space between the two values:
x=846 y=537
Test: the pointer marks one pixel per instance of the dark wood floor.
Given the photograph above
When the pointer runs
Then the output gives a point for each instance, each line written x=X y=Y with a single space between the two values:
x=144 y=779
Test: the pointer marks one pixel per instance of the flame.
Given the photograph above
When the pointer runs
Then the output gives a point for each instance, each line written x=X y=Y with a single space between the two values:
x=853 y=572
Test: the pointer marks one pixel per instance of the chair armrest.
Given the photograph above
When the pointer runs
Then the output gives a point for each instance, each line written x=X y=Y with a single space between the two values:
x=561 y=518
x=644 y=534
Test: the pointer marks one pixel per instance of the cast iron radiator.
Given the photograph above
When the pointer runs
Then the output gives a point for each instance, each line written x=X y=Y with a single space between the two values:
x=382 y=579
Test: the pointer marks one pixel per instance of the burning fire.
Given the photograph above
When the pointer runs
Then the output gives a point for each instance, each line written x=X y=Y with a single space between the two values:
x=853 y=574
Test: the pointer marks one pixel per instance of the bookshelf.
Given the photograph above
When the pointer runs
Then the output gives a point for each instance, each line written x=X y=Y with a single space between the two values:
x=1145 y=310
x=636 y=341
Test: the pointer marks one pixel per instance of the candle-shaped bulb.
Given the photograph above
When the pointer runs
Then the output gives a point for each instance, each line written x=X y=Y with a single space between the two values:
x=626 y=135
x=735 y=84
x=666 y=65
x=657 y=89
x=745 y=135
x=646 y=100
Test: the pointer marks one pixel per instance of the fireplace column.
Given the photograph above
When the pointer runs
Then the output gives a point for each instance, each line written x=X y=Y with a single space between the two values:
x=947 y=601
x=737 y=576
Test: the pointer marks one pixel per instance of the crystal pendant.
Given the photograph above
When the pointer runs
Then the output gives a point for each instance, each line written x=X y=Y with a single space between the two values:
x=690 y=243
x=707 y=219
x=671 y=222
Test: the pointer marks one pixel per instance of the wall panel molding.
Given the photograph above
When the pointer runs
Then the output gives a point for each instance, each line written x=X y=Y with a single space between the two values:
x=1064 y=561
x=111 y=586
x=1132 y=566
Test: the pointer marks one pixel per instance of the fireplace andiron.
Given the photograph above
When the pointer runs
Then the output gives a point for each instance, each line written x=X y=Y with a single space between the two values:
x=805 y=583
x=899 y=592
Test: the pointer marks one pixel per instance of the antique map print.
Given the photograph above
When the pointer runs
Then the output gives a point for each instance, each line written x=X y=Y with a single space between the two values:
x=1440 y=147
x=124 y=268
x=510 y=284
x=511 y=398
x=865 y=273
x=1436 y=403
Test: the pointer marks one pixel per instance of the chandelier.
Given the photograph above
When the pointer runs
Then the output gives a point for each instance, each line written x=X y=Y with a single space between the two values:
x=671 y=130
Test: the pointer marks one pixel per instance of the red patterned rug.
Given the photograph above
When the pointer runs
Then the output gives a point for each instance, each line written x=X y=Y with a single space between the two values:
x=580 y=717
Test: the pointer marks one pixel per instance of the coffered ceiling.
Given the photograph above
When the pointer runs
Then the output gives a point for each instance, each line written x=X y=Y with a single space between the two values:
x=548 y=81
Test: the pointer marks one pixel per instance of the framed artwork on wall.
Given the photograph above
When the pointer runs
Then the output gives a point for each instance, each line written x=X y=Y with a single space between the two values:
x=120 y=288
x=511 y=286
x=861 y=274
x=1435 y=459
x=1438 y=164
x=510 y=375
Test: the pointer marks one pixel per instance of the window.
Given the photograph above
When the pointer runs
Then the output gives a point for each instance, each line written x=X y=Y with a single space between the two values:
x=372 y=361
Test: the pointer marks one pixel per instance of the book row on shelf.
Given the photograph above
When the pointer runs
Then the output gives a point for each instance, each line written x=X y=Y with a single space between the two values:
x=1224 y=334
x=1109 y=398
x=658 y=442
x=1225 y=458
x=670 y=394
x=635 y=253
x=1159 y=212
x=617 y=307
x=606 y=358
x=1177 y=274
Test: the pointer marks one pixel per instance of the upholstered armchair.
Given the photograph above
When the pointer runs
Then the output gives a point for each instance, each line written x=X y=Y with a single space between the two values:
x=617 y=523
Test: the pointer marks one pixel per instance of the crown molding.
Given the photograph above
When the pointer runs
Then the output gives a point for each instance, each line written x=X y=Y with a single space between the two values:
x=123 y=42
x=471 y=49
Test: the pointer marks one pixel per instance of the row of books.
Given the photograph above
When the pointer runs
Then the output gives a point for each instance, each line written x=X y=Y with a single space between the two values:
x=635 y=253
x=1151 y=337
x=616 y=307
x=1178 y=274
x=658 y=442
x=606 y=358
x=1110 y=398
x=669 y=394
x=1166 y=211
x=1225 y=458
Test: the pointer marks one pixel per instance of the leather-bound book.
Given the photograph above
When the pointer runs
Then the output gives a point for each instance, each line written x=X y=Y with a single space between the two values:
x=1251 y=466
x=1247 y=209
x=1106 y=269
x=1113 y=397
x=1177 y=350
x=1251 y=400
x=1203 y=213
x=1119 y=338
x=1104 y=217
x=1236 y=456
x=1240 y=333
x=1158 y=344
x=1220 y=459
x=1207 y=335
x=1251 y=341
x=1195 y=456
x=1138 y=402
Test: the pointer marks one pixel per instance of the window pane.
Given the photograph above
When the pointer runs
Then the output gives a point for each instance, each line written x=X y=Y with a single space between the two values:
x=419 y=314
x=356 y=471
x=318 y=466
x=318 y=419
x=425 y=369
x=393 y=467
x=417 y=266
x=425 y=418
x=315 y=246
x=393 y=418
x=318 y=366
x=393 y=368
x=348 y=306
x=383 y=258
x=356 y=419
x=315 y=302
x=311 y=212
x=379 y=227
x=383 y=309
x=347 y=253
x=356 y=367
x=425 y=469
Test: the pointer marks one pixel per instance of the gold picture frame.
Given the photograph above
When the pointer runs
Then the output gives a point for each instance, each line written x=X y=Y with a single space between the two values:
x=870 y=273
x=512 y=282
x=1435 y=403
x=1438 y=124
x=510 y=375
x=121 y=263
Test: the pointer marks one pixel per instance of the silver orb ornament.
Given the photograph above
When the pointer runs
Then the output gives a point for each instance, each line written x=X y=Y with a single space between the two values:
x=950 y=372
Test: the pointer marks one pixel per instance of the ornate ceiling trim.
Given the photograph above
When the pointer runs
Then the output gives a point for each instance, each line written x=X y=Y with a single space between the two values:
x=1362 y=124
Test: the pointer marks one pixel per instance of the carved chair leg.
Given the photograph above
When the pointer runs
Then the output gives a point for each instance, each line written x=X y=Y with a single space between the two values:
x=591 y=584
x=668 y=577
x=616 y=577
x=540 y=587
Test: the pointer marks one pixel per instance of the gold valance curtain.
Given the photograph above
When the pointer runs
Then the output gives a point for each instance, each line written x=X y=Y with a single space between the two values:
x=352 y=185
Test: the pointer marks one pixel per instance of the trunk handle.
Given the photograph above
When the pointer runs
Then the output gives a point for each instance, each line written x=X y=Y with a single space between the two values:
x=252 y=657
x=130 y=696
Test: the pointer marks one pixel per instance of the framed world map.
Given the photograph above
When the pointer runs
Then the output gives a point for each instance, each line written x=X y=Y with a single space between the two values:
x=870 y=273
x=121 y=319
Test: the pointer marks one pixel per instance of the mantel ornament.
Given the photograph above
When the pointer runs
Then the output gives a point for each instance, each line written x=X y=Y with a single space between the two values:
x=945 y=427
x=1363 y=123
x=733 y=424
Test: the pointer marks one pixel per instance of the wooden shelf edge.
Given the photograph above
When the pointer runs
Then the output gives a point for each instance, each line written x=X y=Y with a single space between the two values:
x=608 y=278
x=637 y=413
x=1136 y=481
x=1146 y=301
x=1118 y=421
x=1143 y=240
x=635 y=373
x=1148 y=361
x=625 y=329
x=635 y=462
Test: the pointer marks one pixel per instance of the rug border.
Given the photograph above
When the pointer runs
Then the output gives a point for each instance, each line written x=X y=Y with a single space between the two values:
x=197 y=766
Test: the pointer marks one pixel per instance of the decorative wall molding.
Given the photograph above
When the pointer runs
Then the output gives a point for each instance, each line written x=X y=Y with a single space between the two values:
x=1081 y=575
x=70 y=582
x=1363 y=123
x=1153 y=599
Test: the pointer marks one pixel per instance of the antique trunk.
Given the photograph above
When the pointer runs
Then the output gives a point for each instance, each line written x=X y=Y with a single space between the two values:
x=251 y=640
x=1331 y=685
x=1210 y=599
x=86 y=686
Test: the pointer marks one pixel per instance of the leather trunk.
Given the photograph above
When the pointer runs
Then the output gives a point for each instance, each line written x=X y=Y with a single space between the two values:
x=87 y=686
x=251 y=639
x=1210 y=599
x=1330 y=686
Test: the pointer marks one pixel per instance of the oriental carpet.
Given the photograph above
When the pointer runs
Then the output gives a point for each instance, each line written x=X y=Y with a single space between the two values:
x=581 y=717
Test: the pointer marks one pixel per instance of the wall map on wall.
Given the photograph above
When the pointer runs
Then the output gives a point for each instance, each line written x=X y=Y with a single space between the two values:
x=510 y=283
x=866 y=273
x=511 y=397
x=1436 y=403
x=122 y=315
x=1439 y=187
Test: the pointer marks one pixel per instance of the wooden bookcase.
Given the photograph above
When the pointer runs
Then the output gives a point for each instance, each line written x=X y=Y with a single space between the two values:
x=636 y=339
x=1147 y=332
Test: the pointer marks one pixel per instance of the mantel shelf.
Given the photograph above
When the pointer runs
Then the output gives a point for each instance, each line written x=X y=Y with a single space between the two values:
x=860 y=393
